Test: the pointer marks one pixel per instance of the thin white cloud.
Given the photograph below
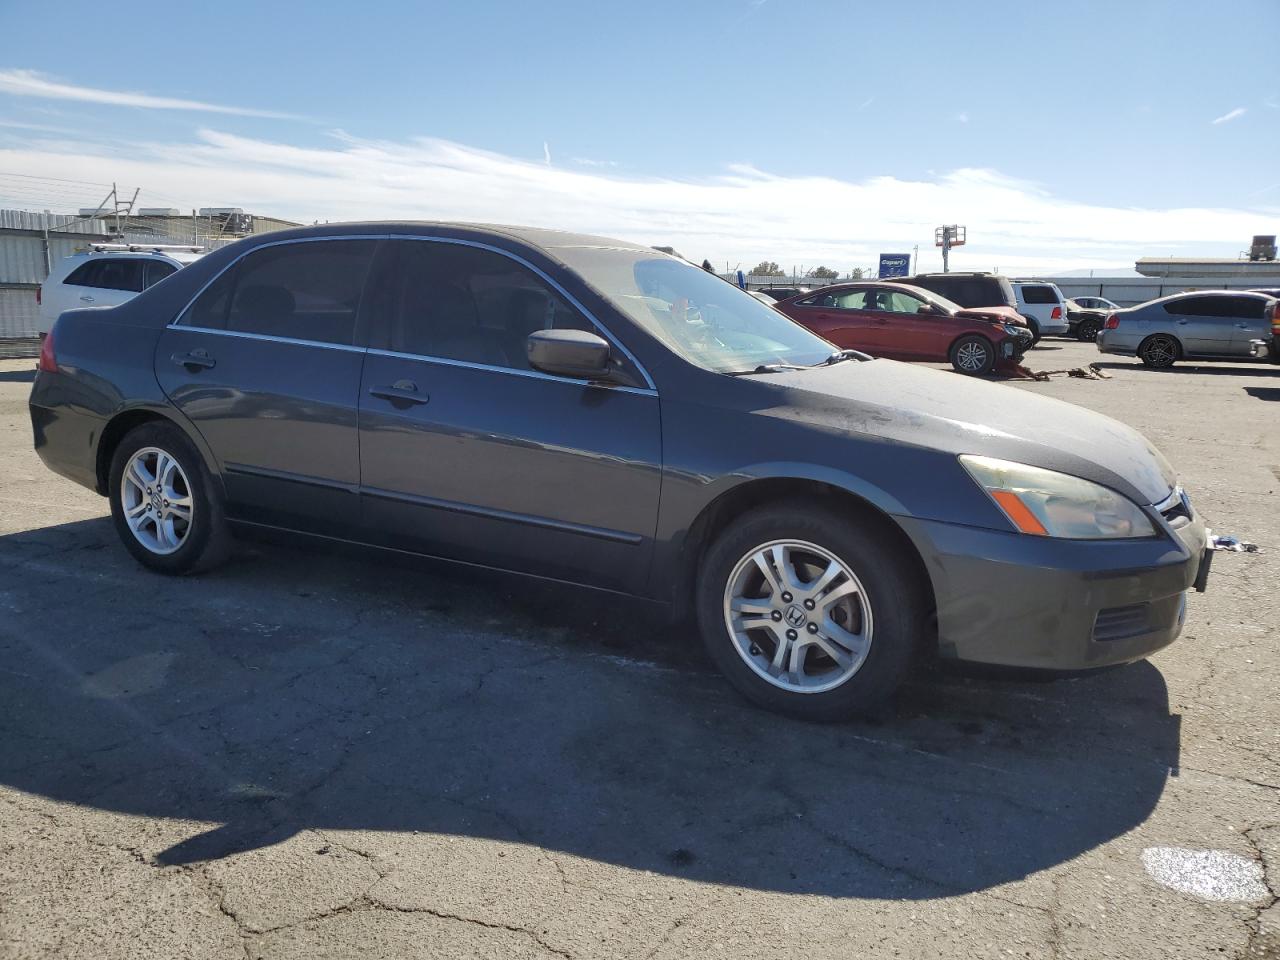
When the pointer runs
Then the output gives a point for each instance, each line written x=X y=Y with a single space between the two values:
x=29 y=83
x=962 y=117
x=546 y=153
x=742 y=214
x=588 y=162
x=866 y=103
x=1230 y=115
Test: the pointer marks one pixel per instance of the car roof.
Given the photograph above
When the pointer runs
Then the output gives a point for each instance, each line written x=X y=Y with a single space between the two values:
x=1230 y=294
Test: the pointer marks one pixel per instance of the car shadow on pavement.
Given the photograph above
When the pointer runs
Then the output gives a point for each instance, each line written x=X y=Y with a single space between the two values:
x=1263 y=393
x=296 y=689
x=1226 y=368
x=18 y=376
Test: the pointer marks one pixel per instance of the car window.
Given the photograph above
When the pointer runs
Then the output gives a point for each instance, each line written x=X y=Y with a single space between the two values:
x=1245 y=308
x=846 y=300
x=895 y=302
x=1038 y=293
x=1204 y=306
x=157 y=270
x=108 y=273
x=463 y=303
x=83 y=275
x=301 y=291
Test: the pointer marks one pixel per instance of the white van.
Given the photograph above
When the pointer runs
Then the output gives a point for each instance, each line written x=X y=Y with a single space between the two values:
x=1043 y=305
x=106 y=275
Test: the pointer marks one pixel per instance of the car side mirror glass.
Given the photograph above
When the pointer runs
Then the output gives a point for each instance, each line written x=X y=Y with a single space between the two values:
x=570 y=353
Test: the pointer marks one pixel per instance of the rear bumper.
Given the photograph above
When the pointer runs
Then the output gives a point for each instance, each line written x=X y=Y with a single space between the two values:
x=66 y=440
x=1014 y=600
x=1115 y=341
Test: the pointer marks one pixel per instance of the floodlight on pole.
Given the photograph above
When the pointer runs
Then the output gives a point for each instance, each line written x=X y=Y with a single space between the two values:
x=946 y=237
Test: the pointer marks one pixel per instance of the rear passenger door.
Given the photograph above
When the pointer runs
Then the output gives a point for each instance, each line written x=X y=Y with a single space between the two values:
x=840 y=317
x=1201 y=324
x=468 y=453
x=264 y=363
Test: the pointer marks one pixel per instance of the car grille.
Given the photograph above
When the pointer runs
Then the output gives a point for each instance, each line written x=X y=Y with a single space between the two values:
x=1176 y=510
x=1119 y=623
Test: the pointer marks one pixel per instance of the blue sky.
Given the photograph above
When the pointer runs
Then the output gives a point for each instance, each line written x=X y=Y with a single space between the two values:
x=1064 y=135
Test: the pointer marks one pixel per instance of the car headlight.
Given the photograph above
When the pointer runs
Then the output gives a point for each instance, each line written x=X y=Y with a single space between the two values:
x=1046 y=503
x=1010 y=329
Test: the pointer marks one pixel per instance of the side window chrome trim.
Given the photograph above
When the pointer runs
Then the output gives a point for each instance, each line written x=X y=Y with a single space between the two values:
x=551 y=283
x=246 y=335
x=533 y=374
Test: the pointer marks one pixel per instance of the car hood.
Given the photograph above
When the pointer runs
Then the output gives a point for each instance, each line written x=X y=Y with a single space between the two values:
x=955 y=414
x=993 y=315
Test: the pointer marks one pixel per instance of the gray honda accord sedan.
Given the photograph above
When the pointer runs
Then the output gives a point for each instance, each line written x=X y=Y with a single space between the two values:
x=600 y=413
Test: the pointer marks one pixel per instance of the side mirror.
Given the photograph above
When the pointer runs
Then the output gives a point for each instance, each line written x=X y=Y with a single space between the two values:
x=569 y=353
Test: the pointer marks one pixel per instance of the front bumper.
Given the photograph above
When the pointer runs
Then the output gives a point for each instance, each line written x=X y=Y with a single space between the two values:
x=1015 y=600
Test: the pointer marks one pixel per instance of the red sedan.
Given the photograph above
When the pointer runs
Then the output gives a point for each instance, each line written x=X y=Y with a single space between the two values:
x=907 y=323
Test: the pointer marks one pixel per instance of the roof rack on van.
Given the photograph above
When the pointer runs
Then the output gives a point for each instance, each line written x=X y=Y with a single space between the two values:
x=141 y=247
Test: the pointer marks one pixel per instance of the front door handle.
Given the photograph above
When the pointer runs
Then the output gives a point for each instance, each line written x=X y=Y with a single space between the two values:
x=87 y=299
x=402 y=392
x=195 y=360
x=1242 y=326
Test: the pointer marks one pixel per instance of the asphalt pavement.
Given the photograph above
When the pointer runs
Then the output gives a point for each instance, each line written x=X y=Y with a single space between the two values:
x=322 y=755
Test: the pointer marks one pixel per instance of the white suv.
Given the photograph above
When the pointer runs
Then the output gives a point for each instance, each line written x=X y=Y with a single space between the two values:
x=105 y=276
x=1043 y=305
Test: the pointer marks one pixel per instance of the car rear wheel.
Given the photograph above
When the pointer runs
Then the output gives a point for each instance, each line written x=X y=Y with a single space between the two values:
x=165 y=506
x=974 y=355
x=809 y=612
x=1088 y=330
x=1159 y=352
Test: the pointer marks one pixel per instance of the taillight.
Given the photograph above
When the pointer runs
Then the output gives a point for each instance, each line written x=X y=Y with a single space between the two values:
x=1057 y=314
x=1113 y=321
x=1275 y=318
x=39 y=295
x=48 y=362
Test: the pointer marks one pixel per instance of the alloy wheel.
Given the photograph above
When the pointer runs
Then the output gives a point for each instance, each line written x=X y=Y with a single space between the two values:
x=798 y=616
x=1160 y=352
x=971 y=357
x=157 y=501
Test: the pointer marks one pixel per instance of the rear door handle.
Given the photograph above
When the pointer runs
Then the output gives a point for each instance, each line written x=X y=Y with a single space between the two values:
x=401 y=392
x=1242 y=326
x=195 y=360
x=87 y=299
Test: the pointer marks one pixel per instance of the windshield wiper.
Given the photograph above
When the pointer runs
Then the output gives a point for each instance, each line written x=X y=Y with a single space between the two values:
x=764 y=368
x=843 y=355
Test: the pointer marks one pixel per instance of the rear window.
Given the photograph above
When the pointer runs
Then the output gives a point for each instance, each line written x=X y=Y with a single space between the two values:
x=108 y=274
x=1038 y=293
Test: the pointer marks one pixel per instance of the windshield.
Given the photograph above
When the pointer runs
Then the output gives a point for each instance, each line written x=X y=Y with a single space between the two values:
x=702 y=318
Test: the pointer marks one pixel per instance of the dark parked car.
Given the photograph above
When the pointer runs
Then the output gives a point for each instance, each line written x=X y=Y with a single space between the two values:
x=597 y=412
x=1214 y=325
x=1086 y=315
x=782 y=293
x=909 y=323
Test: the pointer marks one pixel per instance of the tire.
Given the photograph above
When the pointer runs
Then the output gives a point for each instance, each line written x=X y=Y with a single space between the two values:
x=974 y=355
x=1034 y=326
x=1088 y=330
x=886 y=605
x=1159 y=352
x=196 y=542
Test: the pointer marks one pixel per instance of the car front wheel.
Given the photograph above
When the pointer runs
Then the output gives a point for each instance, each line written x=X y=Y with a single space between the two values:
x=165 y=506
x=809 y=612
x=973 y=355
